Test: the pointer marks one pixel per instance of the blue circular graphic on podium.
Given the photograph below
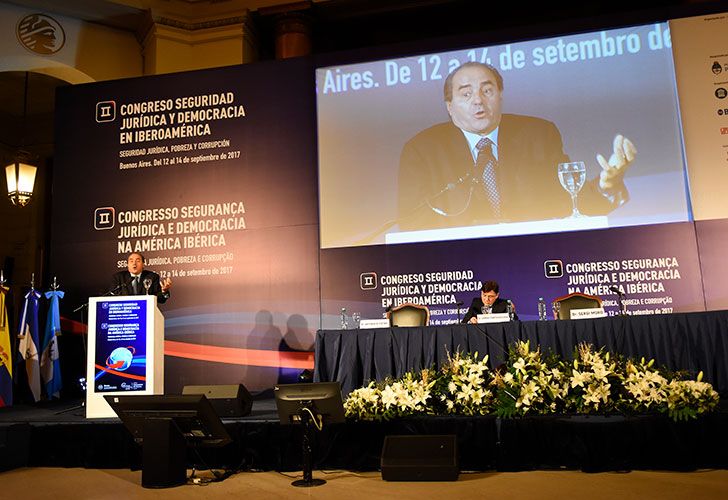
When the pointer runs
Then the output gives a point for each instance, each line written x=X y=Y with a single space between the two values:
x=120 y=358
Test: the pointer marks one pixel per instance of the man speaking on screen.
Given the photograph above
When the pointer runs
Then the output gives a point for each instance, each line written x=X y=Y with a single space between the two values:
x=138 y=281
x=486 y=167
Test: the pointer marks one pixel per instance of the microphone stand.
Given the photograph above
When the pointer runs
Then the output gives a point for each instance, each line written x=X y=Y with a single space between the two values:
x=108 y=293
x=482 y=330
x=82 y=316
x=55 y=287
x=487 y=335
x=620 y=296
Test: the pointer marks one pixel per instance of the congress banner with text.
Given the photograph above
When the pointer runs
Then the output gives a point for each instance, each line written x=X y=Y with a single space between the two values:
x=270 y=192
x=211 y=176
x=656 y=267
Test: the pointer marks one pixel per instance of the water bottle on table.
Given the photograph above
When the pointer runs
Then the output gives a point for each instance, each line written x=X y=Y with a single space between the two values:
x=541 y=309
x=344 y=323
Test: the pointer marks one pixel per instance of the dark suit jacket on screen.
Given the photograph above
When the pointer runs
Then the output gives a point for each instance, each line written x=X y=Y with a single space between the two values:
x=476 y=307
x=529 y=151
x=121 y=285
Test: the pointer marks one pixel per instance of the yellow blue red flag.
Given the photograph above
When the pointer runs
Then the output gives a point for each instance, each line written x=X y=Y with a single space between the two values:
x=6 y=359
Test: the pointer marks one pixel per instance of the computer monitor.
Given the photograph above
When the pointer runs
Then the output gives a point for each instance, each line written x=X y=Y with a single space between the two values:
x=193 y=416
x=321 y=398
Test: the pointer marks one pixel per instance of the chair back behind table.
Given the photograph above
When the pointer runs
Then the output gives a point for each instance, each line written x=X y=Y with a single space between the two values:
x=575 y=300
x=409 y=314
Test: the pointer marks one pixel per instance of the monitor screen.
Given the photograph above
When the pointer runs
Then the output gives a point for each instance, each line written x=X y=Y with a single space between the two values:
x=322 y=398
x=193 y=415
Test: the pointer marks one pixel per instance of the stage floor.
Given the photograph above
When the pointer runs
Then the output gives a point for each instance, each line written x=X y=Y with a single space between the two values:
x=263 y=410
x=58 y=435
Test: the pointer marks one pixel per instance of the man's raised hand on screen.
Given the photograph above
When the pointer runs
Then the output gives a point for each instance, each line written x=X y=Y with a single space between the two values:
x=613 y=170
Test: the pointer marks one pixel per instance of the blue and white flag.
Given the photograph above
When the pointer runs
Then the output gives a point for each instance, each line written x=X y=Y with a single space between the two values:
x=6 y=364
x=50 y=364
x=28 y=346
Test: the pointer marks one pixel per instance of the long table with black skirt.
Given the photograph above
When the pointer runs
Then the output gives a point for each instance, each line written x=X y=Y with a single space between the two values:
x=694 y=342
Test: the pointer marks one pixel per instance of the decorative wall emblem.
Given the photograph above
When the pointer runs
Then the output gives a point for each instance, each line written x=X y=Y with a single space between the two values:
x=41 y=34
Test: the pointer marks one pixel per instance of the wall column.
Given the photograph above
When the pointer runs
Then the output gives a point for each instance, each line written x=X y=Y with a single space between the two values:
x=174 y=42
x=292 y=28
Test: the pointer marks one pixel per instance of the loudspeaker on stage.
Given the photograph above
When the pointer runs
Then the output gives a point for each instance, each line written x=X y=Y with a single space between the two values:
x=420 y=458
x=232 y=400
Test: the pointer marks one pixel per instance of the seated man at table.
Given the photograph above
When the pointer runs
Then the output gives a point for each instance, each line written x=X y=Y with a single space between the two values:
x=489 y=302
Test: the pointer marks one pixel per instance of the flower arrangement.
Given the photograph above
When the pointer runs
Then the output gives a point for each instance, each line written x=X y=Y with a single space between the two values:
x=532 y=383
x=689 y=398
x=389 y=399
x=645 y=388
x=464 y=385
x=593 y=381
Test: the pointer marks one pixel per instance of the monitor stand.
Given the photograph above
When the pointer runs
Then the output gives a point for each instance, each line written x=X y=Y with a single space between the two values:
x=309 y=427
x=164 y=454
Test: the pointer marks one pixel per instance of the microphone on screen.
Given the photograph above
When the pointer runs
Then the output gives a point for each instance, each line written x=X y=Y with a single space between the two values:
x=448 y=187
x=616 y=290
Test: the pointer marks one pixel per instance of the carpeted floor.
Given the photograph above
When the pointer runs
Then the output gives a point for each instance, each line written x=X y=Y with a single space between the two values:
x=102 y=484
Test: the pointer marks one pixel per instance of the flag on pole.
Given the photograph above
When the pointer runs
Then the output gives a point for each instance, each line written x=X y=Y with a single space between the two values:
x=28 y=347
x=50 y=364
x=6 y=365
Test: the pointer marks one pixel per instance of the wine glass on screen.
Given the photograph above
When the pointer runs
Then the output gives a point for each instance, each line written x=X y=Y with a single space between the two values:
x=572 y=176
x=147 y=284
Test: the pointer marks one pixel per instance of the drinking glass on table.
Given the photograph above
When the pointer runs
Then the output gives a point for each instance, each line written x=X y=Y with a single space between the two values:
x=556 y=307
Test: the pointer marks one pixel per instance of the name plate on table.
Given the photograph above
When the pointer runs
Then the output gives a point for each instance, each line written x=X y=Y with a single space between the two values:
x=493 y=318
x=368 y=324
x=592 y=312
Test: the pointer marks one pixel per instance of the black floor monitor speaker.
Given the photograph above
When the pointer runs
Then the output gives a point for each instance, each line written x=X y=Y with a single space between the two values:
x=420 y=458
x=232 y=400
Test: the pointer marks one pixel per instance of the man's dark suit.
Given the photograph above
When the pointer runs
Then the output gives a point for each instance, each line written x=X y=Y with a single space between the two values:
x=121 y=285
x=499 y=306
x=437 y=171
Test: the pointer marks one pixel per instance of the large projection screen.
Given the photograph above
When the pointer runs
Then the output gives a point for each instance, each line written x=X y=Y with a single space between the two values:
x=591 y=87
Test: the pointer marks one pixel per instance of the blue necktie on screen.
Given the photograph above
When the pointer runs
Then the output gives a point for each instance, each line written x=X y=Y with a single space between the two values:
x=486 y=163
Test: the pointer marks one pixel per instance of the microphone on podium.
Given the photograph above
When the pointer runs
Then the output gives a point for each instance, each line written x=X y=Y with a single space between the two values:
x=118 y=287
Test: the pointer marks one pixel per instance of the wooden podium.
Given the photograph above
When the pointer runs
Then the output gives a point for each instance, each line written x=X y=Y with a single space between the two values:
x=125 y=350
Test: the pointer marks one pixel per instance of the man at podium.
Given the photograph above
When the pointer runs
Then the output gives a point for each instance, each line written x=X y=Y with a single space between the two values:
x=138 y=281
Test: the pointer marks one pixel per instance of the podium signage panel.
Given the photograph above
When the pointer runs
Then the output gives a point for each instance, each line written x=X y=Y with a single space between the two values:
x=121 y=354
x=126 y=350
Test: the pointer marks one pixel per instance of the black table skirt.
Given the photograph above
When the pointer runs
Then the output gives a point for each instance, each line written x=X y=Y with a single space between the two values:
x=681 y=341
